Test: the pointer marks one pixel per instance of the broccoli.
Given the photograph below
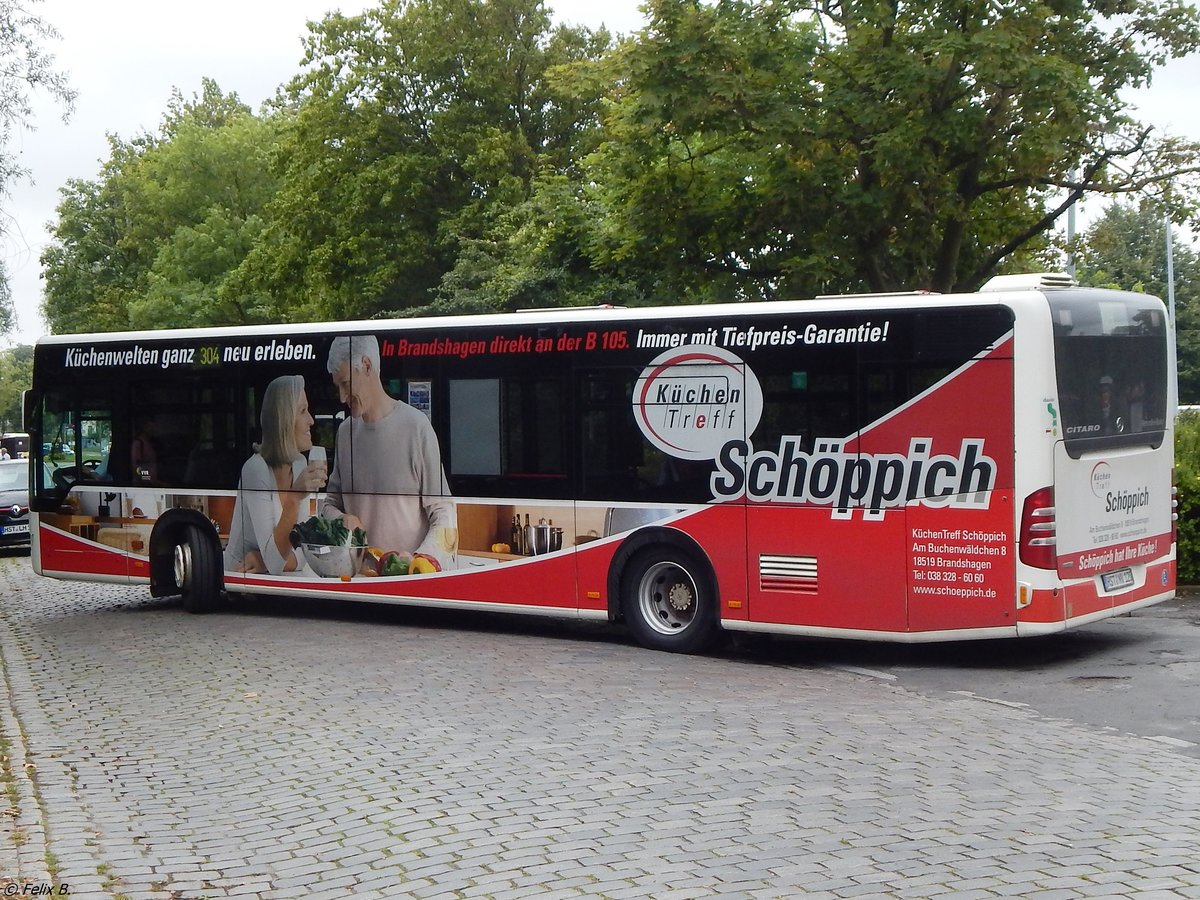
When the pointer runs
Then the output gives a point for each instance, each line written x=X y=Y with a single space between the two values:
x=319 y=530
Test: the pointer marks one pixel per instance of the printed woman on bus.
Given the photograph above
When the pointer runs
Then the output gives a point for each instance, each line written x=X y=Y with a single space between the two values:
x=275 y=484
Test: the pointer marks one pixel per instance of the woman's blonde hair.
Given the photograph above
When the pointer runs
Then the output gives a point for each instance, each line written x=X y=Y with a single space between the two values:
x=280 y=401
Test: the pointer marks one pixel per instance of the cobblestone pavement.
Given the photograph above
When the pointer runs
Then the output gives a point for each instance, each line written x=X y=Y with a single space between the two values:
x=274 y=752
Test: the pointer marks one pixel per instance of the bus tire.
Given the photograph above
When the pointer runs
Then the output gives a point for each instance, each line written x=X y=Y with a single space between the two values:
x=669 y=600
x=198 y=571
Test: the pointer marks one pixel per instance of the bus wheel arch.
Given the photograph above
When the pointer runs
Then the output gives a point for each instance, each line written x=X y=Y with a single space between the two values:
x=186 y=559
x=662 y=585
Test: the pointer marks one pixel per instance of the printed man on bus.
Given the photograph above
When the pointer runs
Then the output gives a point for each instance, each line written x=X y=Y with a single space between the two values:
x=387 y=474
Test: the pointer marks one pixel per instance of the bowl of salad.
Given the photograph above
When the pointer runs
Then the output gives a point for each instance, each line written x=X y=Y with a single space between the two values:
x=330 y=548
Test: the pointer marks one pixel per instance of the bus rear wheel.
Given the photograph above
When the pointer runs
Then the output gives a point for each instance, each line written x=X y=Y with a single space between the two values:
x=198 y=571
x=669 y=600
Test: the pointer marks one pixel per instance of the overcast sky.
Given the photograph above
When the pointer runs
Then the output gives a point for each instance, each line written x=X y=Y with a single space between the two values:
x=125 y=56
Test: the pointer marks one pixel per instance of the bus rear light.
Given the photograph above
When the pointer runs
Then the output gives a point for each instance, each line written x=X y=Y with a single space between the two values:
x=1038 y=530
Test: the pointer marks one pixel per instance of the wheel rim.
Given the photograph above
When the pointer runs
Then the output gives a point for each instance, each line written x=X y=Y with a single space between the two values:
x=183 y=564
x=667 y=598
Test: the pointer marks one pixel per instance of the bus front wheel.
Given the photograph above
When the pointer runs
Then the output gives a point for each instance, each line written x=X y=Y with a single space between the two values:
x=197 y=571
x=669 y=600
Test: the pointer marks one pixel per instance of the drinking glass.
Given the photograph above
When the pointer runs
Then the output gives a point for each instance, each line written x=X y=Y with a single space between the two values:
x=447 y=539
x=316 y=454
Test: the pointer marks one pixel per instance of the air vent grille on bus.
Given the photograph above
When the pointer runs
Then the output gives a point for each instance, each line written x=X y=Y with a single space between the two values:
x=787 y=573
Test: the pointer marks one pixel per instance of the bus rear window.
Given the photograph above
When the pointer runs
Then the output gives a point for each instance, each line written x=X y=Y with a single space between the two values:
x=1110 y=354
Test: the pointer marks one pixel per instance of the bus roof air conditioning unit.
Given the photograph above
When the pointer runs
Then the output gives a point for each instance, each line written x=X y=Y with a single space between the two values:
x=1032 y=281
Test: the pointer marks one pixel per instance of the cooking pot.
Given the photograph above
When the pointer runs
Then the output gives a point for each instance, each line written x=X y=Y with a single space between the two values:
x=543 y=537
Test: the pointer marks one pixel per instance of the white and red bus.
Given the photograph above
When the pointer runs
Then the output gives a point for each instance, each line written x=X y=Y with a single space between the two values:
x=910 y=468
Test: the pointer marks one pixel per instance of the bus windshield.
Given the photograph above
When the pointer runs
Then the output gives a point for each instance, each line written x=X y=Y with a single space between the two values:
x=1111 y=364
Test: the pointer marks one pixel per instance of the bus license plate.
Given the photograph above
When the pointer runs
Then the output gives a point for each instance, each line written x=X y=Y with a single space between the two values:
x=1118 y=580
x=15 y=529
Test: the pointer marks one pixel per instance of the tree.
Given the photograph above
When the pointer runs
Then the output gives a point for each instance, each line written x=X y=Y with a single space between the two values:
x=25 y=67
x=532 y=256
x=1126 y=248
x=16 y=377
x=417 y=126
x=91 y=271
x=770 y=148
x=151 y=243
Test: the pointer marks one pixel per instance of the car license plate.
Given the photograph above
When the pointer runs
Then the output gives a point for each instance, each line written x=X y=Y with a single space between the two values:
x=15 y=529
x=1115 y=581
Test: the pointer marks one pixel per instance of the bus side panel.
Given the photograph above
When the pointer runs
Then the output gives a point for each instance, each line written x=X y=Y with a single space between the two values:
x=546 y=582
x=719 y=529
x=960 y=549
x=945 y=562
x=962 y=566
x=812 y=569
x=61 y=551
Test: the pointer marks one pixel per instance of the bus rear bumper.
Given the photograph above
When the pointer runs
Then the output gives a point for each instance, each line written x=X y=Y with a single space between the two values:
x=1033 y=629
x=1083 y=601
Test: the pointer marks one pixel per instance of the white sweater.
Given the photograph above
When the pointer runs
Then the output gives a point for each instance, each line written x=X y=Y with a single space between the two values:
x=256 y=514
x=389 y=474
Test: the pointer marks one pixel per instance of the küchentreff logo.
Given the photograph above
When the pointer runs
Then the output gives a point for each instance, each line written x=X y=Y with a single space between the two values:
x=1101 y=479
x=690 y=400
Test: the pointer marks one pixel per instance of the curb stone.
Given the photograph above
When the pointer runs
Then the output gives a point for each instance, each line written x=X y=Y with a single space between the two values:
x=23 y=825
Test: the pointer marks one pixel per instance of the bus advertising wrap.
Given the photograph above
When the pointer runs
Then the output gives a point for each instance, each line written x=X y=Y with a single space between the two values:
x=845 y=469
x=698 y=403
x=1123 y=506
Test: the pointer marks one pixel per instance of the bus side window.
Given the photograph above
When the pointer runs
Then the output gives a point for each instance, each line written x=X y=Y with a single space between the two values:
x=507 y=436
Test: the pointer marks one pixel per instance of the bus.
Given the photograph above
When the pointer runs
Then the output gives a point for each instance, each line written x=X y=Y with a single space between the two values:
x=15 y=444
x=909 y=467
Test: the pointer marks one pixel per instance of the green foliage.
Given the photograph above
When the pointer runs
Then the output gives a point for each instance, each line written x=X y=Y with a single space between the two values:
x=466 y=155
x=531 y=257
x=776 y=148
x=8 y=312
x=1187 y=483
x=152 y=242
x=1126 y=249
x=25 y=67
x=705 y=186
x=89 y=275
x=417 y=126
x=16 y=376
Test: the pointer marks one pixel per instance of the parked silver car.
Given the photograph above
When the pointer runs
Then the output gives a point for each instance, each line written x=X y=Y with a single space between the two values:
x=14 y=502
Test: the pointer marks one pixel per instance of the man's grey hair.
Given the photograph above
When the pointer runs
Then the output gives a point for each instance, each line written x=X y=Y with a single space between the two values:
x=351 y=349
